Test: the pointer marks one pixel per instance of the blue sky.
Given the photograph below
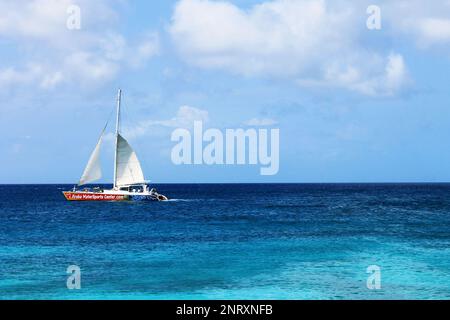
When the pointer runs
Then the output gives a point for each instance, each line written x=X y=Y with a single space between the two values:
x=352 y=104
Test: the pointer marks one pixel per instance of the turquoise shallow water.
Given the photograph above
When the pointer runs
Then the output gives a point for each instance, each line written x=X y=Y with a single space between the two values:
x=285 y=241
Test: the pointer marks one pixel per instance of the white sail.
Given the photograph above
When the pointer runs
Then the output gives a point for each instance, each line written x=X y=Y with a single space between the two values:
x=128 y=168
x=93 y=170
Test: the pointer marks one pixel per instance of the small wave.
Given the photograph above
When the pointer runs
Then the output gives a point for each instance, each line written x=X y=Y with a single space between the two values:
x=183 y=200
x=293 y=206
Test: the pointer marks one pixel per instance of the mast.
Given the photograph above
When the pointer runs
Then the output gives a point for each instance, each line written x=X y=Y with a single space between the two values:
x=119 y=95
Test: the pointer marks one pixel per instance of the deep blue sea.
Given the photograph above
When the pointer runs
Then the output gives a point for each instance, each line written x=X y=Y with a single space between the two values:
x=229 y=241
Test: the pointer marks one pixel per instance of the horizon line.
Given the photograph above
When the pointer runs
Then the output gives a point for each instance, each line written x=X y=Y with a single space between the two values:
x=385 y=182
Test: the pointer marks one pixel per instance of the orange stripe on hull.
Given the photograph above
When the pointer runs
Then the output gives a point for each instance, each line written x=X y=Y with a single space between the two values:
x=89 y=196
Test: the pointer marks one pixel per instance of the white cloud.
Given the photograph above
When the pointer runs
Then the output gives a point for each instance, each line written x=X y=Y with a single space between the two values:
x=277 y=37
x=51 y=80
x=89 y=56
x=426 y=22
x=46 y=20
x=38 y=19
x=309 y=41
x=12 y=75
x=389 y=81
x=31 y=73
x=395 y=73
x=257 y=122
x=89 y=67
x=148 y=47
x=184 y=118
x=435 y=30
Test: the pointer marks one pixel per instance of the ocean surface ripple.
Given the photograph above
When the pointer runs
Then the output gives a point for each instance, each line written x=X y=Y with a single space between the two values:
x=229 y=241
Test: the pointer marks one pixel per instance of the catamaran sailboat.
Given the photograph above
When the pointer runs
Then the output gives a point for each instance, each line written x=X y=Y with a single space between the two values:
x=129 y=181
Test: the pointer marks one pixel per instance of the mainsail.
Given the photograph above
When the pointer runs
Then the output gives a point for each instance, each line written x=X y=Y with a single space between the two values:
x=93 y=170
x=128 y=168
